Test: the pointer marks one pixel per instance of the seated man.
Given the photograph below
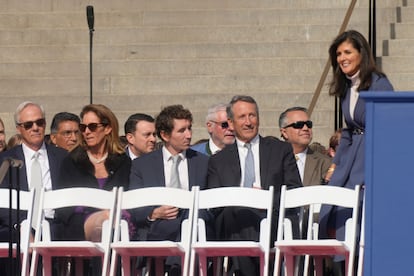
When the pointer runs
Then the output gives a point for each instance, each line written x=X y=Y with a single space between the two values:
x=173 y=126
x=253 y=162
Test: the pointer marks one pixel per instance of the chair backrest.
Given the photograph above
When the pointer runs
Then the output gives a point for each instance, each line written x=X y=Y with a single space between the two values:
x=236 y=197
x=71 y=197
x=153 y=196
x=313 y=197
x=25 y=204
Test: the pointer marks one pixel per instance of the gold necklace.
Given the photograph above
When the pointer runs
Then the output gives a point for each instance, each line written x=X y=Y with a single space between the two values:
x=96 y=160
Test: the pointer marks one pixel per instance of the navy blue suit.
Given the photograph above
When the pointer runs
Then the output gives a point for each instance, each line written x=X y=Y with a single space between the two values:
x=148 y=171
x=55 y=156
x=349 y=160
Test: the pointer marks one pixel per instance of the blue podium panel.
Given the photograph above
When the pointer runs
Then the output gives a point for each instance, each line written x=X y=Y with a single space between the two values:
x=389 y=183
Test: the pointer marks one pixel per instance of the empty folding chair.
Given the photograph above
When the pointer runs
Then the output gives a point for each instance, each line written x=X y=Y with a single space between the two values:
x=288 y=248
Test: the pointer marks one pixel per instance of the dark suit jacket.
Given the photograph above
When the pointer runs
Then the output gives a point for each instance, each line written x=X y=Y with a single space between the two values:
x=316 y=167
x=78 y=171
x=55 y=156
x=277 y=168
x=148 y=171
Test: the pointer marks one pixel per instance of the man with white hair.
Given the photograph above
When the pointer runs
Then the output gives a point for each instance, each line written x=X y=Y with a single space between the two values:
x=218 y=129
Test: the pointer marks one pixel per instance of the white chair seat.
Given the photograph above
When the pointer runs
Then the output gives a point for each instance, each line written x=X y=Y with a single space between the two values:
x=152 y=196
x=309 y=197
x=240 y=197
x=150 y=248
x=313 y=247
x=69 y=248
x=238 y=248
x=72 y=197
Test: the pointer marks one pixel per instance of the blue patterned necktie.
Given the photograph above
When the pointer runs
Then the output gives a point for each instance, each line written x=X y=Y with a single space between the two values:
x=249 y=175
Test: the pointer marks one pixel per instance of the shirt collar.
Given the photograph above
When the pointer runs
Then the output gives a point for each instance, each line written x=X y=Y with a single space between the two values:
x=28 y=152
x=213 y=147
x=254 y=141
x=167 y=155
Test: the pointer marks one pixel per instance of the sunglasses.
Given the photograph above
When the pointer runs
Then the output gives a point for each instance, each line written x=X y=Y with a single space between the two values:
x=68 y=133
x=91 y=126
x=223 y=125
x=300 y=124
x=29 y=124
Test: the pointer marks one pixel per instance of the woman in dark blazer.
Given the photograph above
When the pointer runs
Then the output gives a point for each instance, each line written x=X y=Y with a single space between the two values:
x=354 y=72
x=99 y=162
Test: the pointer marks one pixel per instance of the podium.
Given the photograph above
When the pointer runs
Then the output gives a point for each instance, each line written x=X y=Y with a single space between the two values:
x=389 y=181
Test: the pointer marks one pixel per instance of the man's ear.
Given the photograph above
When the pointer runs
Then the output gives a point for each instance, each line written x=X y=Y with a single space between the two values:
x=283 y=134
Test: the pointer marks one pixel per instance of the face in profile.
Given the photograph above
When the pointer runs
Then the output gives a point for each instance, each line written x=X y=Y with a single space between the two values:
x=179 y=139
x=220 y=131
x=143 y=139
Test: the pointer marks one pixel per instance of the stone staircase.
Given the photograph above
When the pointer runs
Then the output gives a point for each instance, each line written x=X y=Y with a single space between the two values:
x=149 y=54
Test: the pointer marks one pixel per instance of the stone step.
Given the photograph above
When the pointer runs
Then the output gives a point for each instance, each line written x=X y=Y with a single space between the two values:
x=406 y=14
x=137 y=85
x=219 y=17
x=43 y=53
x=402 y=81
x=122 y=5
x=401 y=47
x=183 y=34
x=179 y=67
x=398 y=64
x=404 y=31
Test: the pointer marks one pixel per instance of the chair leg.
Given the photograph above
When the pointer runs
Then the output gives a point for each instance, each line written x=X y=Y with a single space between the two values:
x=318 y=265
x=79 y=266
x=290 y=265
x=159 y=266
x=47 y=265
x=34 y=263
x=126 y=265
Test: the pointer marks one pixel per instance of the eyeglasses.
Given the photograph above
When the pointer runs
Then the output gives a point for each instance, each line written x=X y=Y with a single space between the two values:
x=29 y=124
x=223 y=125
x=68 y=133
x=300 y=124
x=91 y=126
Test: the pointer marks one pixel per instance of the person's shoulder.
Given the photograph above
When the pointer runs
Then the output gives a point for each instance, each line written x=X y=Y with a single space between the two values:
x=11 y=153
x=201 y=147
x=381 y=82
x=56 y=150
x=274 y=142
x=319 y=155
x=196 y=155
x=147 y=158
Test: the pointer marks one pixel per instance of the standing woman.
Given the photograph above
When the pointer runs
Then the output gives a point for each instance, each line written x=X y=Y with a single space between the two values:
x=98 y=162
x=354 y=72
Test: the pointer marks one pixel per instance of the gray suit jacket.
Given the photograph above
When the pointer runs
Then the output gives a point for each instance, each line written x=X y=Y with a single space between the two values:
x=316 y=167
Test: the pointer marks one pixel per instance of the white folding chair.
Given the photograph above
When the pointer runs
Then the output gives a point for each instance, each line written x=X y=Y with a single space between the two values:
x=26 y=204
x=288 y=247
x=71 y=197
x=360 y=271
x=231 y=197
x=152 y=196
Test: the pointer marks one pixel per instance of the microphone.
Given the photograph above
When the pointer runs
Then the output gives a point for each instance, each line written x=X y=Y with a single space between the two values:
x=15 y=163
x=90 y=17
